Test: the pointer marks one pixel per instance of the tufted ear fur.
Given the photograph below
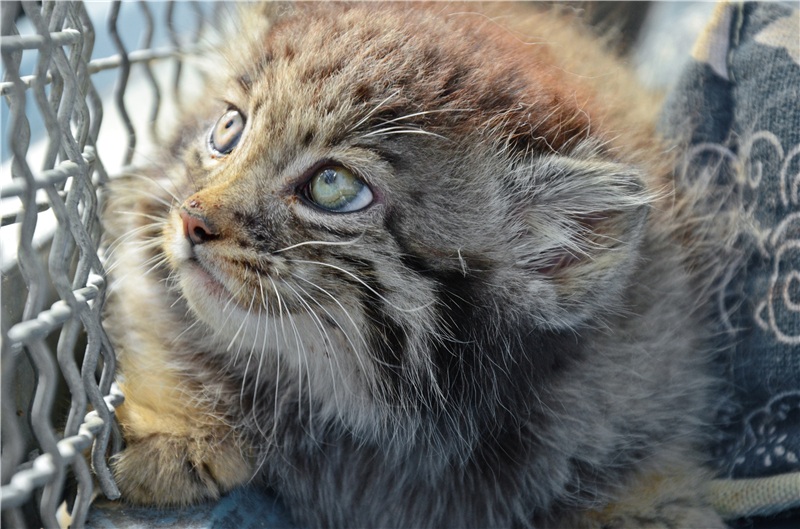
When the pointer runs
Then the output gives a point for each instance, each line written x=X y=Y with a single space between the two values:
x=582 y=225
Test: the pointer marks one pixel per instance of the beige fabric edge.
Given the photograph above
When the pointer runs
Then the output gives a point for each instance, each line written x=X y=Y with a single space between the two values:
x=736 y=498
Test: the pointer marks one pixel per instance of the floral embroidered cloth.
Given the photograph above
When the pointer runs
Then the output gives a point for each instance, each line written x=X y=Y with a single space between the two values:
x=738 y=106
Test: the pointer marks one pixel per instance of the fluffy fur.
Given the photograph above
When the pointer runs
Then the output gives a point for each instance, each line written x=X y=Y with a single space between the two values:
x=509 y=335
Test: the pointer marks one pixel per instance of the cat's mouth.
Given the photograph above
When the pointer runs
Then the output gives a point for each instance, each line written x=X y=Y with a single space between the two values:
x=200 y=276
x=211 y=276
x=196 y=278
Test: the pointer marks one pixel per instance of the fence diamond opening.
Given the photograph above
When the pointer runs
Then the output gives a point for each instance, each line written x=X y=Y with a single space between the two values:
x=70 y=75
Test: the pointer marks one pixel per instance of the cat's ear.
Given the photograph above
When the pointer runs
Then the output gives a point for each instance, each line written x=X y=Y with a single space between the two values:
x=583 y=224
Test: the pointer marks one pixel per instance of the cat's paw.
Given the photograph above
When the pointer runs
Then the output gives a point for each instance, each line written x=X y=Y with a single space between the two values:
x=671 y=497
x=676 y=516
x=672 y=517
x=167 y=470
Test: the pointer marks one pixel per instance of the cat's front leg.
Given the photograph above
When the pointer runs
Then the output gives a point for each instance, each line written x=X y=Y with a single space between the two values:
x=671 y=497
x=679 y=516
x=176 y=458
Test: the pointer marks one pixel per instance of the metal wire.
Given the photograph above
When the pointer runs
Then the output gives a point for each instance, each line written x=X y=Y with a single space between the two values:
x=54 y=348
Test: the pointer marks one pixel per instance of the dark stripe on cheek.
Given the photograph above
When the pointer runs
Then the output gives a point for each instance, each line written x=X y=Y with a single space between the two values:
x=385 y=337
x=391 y=221
x=394 y=157
x=407 y=257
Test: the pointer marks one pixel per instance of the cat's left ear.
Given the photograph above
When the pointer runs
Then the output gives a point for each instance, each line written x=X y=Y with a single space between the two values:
x=584 y=219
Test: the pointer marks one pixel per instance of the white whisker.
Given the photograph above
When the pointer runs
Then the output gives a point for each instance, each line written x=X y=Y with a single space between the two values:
x=301 y=348
x=147 y=193
x=245 y=321
x=320 y=243
x=351 y=274
x=155 y=181
x=186 y=330
x=352 y=322
x=356 y=351
x=425 y=113
x=402 y=130
x=373 y=111
x=326 y=339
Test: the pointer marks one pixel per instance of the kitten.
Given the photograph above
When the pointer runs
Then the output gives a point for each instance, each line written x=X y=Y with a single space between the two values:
x=414 y=266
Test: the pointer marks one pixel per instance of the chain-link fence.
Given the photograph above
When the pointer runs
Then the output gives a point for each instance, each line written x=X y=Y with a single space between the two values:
x=63 y=135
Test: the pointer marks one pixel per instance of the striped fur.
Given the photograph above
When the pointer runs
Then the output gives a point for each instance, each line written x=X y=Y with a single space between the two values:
x=510 y=335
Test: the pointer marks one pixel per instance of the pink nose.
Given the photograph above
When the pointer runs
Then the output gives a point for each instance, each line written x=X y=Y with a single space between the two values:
x=196 y=227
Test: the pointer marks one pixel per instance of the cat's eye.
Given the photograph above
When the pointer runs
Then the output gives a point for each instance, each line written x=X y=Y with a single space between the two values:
x=336 y=189
x=226 y=132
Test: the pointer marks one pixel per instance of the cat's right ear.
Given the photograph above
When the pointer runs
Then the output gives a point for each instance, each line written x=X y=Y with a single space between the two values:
x=583 y=223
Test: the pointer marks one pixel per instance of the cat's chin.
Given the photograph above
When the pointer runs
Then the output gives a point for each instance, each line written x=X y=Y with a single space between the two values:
x=205 y=295
x=197 y=282
x=210 y=301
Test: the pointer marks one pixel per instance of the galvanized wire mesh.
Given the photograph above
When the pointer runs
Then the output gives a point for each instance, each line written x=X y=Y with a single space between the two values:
x=58 y=365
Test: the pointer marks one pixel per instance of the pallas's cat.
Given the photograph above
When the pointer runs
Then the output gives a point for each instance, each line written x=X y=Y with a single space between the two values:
x=413 y=266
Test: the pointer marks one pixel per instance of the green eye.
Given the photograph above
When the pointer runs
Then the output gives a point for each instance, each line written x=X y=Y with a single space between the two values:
x=336 y=189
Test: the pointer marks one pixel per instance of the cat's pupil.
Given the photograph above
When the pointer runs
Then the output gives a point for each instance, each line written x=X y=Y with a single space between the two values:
x=329 y=176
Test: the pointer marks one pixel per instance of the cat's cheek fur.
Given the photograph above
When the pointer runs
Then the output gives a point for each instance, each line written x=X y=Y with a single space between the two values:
x=328 y=355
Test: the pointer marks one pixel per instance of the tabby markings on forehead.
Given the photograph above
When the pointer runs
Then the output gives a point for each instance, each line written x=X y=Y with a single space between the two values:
x=245 y=82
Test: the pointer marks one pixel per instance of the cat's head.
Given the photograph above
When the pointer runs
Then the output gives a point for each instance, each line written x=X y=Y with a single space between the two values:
x=403 y=206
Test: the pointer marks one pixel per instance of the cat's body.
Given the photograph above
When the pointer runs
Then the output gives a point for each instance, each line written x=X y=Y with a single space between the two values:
x=425 y=271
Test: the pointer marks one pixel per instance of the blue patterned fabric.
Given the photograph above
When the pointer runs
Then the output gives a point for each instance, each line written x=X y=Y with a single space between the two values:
x=246 y=508
x=737 y=105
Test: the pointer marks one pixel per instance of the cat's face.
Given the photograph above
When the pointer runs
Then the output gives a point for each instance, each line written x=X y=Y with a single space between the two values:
x=380 y=193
